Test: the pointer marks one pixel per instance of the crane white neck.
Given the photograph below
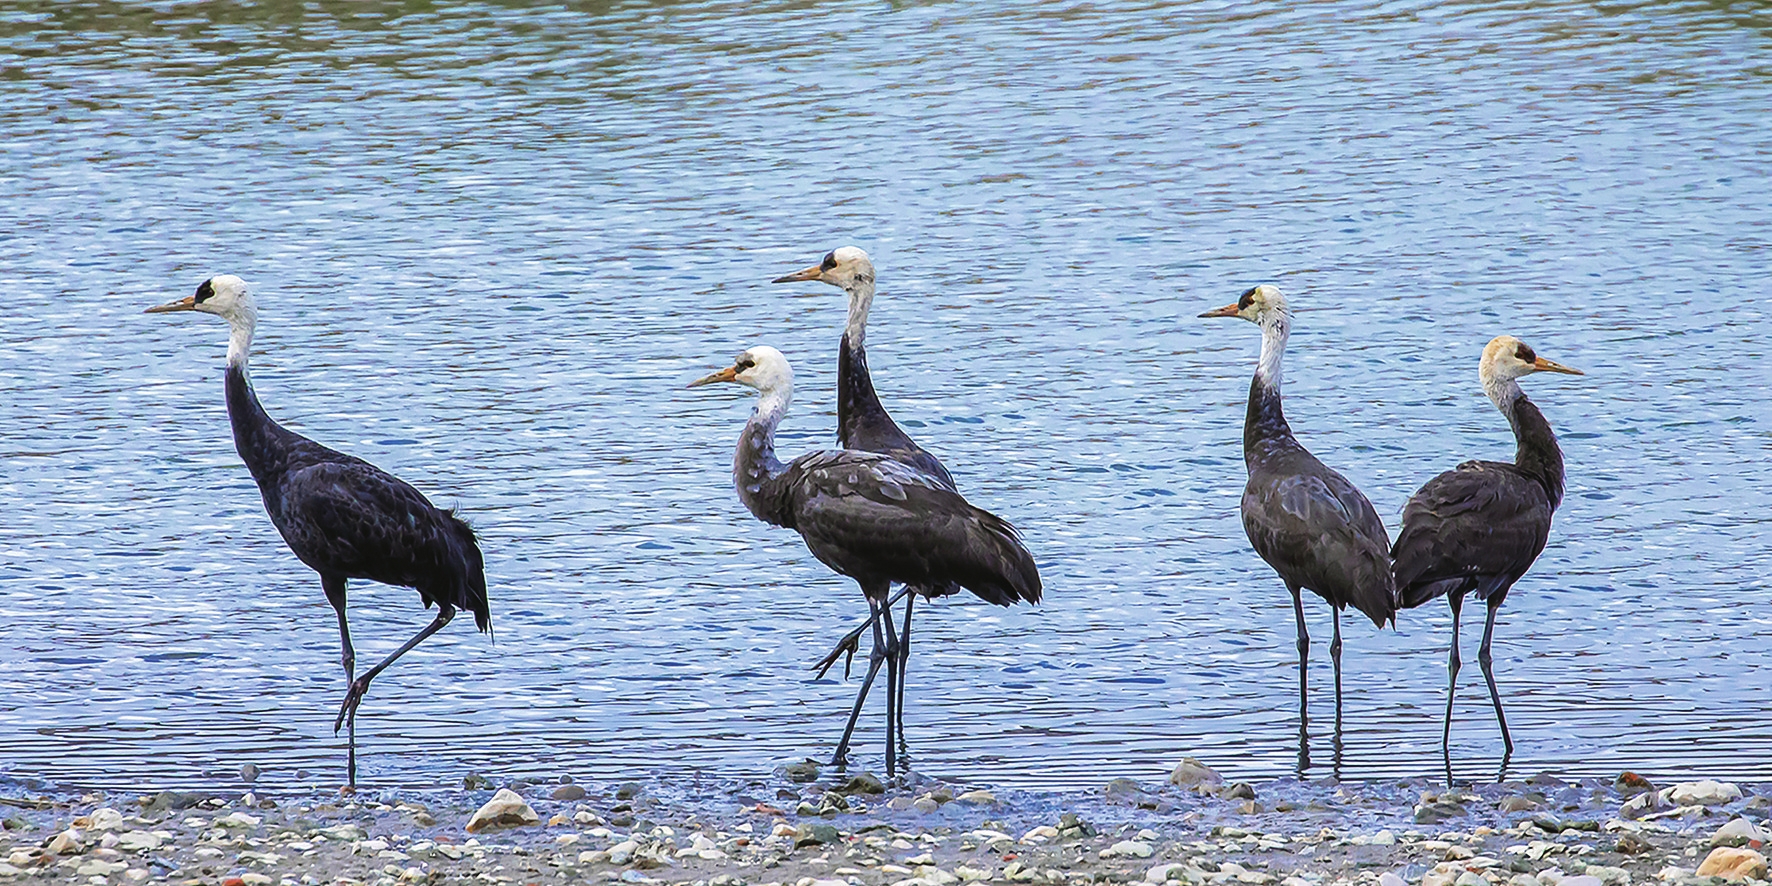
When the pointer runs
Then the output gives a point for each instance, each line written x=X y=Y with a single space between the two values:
x=861 y=300
x=754 y=464
x=1504 y=392
x=1276 y=327
x=241 y=321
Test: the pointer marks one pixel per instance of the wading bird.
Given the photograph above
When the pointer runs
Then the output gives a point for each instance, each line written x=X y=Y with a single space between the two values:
x=1308 y=522
x=863 y=424
x=872 y=518
x=1479 y=526
x=340 y=515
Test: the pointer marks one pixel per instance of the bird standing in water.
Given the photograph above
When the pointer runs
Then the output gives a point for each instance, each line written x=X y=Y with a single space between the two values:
x=872 y=518
x=1480 y=526
x=863 y=424
x=339 y=514
x=1308 y=522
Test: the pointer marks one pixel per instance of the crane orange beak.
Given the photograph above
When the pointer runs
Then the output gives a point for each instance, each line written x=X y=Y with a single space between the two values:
x=1543 y=365
x=188 y=303
x=1229 y=310
x=730 y=373
x=812 y=273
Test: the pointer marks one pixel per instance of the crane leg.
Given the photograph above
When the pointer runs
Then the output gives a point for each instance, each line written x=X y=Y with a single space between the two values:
x=335 y=594
x=904 y=659
x=875 y=658
x=1483 y=659
x=347 y=712
x=1456 y=600
x=851 y=642
x=1335 y=658
x=893 y=687
x=1304 y=647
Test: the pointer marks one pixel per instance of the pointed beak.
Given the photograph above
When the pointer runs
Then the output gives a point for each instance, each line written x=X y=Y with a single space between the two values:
x=1543 y=365
x=811 y=273
x=188 y=303
x=730 y=373
x=1229 y=310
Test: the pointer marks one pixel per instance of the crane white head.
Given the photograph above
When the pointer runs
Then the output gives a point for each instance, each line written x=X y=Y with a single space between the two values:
x=845 y=267
x=1507 y=358
x=1259 y=305
x=762 y=368
x=228 y=297
x=224 y=295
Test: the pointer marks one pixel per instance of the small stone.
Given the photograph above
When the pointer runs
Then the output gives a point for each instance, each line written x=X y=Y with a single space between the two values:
x=68 y=842
x=925 y=805
x=1437 y=811
x=1609 y=876
x=139 y=841
x=1383 y=838
x=816 y=834
x=1631 y=784
x=505 y=810
x=1579 y=880
x=168 y=801
x=1632 y=844
x=1470 y=878
x=568 y=793
x=1241 y=790
x=99 y=868
x=977 y=798
x=863 y=783
x=1190 y=773
x=1172 y=870
x=1389 y=879
x=238 y=821
x=256 y=879
x=1639 y=806
x=1701 y=793
x=474 y=781
x=1129 y=849
x=966 y=873
x=623 y=852
x=803 y=771
x=1739 y=832
x=1733 y=864
x=249 y=773
x=105 y=819
x=1517 y=803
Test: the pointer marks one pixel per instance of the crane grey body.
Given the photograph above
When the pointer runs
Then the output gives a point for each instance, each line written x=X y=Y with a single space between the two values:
x=872 y=518
x=1479 y=527
x=1310 y=524
x=339 y=514
x=863 y=424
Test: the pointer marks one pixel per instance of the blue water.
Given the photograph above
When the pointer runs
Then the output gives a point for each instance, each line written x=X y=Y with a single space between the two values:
x=491 y=244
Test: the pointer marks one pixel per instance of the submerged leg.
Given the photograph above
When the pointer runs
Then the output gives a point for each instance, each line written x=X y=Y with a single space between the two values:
x=875 y=658
x=1489 y=677
x=904 y=658
x=335 y=594
x=1335 y=658
x=1456 y=600
x=1304 y=646
x=347 y=712
x=851 y=641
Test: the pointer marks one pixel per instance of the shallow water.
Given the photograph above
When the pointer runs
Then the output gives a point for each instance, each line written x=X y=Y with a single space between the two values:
x=492 y=244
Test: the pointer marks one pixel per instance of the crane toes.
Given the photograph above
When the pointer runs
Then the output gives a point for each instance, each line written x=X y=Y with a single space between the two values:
x=847 y=647
x=348 y=709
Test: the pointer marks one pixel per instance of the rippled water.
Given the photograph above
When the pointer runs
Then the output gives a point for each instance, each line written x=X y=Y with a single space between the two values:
x=492 y=244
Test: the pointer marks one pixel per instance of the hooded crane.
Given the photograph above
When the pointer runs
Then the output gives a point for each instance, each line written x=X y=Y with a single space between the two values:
x=872 y=518
x=340 y=515
x=1308 y=522
x=863 y=424
x=1479 y=526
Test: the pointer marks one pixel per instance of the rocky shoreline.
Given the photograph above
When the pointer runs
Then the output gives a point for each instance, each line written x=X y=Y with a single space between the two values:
x=806 y=828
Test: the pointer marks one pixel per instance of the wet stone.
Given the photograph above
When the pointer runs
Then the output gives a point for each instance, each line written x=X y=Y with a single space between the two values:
x=864 y=783
x=568 y=793
x=1632 y=844
x=803 y=771
x=1242 y=790
x=1437 y=811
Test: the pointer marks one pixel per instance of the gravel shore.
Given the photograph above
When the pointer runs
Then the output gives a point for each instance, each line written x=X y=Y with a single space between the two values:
x=801 y=828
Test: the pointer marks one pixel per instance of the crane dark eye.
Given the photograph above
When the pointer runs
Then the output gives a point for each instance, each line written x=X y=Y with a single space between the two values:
x=204 y=292
x=830 y=261
x=1247 y=299
x=1525 y=354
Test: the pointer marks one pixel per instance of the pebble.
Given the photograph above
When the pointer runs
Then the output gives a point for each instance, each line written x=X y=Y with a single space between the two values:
x=1733 y=864
x=68 y=842
x=1738 y=832
x=977 y=798
x=1129 y=849
x=139 y=841
x=238 y=820
x=1701 y=793
x=506 y=809
x=1192 y=773
x=249 y=773
x=568 y=793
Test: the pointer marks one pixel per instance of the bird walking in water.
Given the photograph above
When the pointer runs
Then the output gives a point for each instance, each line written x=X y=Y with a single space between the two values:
x=1480 y=526
x=340 y=515
x=872 y=518
x=863 y=424
x=1308 y=522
